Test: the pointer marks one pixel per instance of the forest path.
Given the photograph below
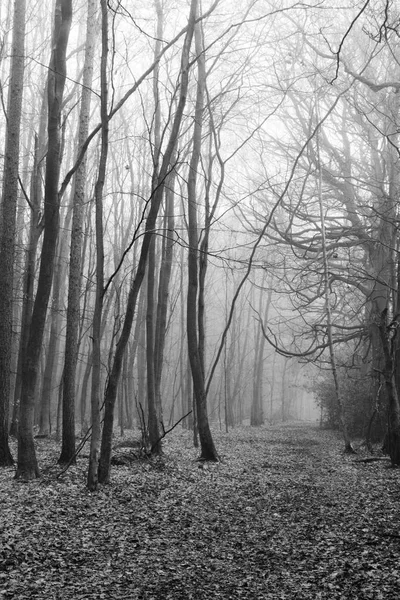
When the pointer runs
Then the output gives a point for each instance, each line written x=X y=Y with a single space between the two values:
x=284 y=515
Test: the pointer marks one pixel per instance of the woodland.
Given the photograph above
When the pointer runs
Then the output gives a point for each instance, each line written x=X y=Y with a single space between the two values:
x=199 y=225
x=199 y=299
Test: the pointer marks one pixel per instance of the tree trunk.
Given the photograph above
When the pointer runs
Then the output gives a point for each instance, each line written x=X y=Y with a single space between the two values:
x=50 y=370
x=153 y=430
x=8 y=220
x=84 y=393
x=27 y=463
x=185 y=375
x=393 y=434
x=35 y=231
x=75 y=262
x=92 y=479
x=48 y=373
x=153 y=416
x=163 y=290
x=257 y=410
x=195 y=337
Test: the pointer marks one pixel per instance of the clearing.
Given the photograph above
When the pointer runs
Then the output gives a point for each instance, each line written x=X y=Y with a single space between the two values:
x=284 y=515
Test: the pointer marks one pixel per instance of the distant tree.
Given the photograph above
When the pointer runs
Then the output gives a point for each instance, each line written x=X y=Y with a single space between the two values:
x=257 y=416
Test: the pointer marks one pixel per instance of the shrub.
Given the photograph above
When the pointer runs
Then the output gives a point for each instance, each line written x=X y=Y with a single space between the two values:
x=359 y=401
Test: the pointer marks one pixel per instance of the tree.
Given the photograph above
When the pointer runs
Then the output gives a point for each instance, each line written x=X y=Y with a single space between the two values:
x=154 y=412
x=8 y=220
x=75 y=262
x=27 y=463
x=92 y=478
x=194 y=327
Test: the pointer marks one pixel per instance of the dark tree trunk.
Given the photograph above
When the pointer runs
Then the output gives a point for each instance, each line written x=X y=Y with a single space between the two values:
x=92 y=478
x=195 y=319
x=27 y=463
x=153 y=429
x=35 y=231
x=8 y=221
x=392 y=441
x=50 y=369
x=153 y=414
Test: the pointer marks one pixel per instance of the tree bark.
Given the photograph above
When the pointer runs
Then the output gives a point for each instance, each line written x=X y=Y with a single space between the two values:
x=35 y=231
x=257 y=410
x=393 y=434
x=8 y=220
x=153 y=429
x=51 y=355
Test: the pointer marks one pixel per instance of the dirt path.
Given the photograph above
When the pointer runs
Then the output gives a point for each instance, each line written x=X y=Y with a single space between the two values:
x=284 y=516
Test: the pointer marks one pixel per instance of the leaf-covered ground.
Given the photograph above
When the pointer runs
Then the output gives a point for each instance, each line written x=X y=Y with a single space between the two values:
x=283 y=515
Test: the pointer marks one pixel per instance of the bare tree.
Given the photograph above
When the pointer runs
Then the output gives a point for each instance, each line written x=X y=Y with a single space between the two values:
x=27 y=463
x=153 y=413
x=92 y=478
x=8 y=220
x=75 y=262
x=194 y=327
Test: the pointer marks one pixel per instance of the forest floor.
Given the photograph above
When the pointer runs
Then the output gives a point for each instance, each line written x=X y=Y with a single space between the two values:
x=284 y=515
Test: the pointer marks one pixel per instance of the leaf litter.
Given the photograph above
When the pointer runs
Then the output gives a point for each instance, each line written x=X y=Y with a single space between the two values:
x=284 y=515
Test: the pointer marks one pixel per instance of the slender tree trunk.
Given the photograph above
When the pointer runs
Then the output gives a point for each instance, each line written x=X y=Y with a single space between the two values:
x=50 y=370
x=8 y=220
x=84 y=393
x=153 y=429
x=92 y=480
x=393 y=435
x=242 y=342
x=75 y=262
x=154 y=434
x=185 y=375
x=195 y=336
x=163 y=290
x=257 y=411
x=35 y=231
x=27 y=463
